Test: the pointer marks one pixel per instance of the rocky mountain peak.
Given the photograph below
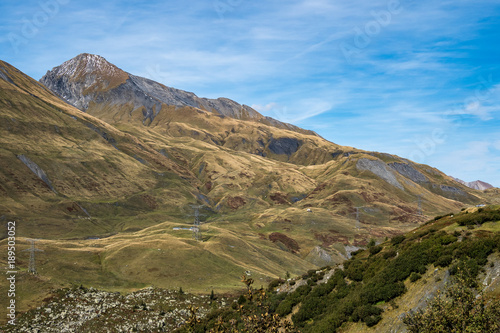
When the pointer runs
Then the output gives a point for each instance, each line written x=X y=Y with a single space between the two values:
x=85 y=64
x=79 y=79
x=91 y=78
x=476 y=185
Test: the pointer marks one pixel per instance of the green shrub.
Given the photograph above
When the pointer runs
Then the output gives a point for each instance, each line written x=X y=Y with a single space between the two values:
x=398 y=239
x=353 y=254
x=372 y=320
x=375 y=249
x=390 y=254
x=301 y=291
x=479 y=217
x=274 y=284
x=354 y=270
x=242 y=299
x=415 y=276
x=444 y=261
x=447 y=239
x=364 y=312
x=285 y=307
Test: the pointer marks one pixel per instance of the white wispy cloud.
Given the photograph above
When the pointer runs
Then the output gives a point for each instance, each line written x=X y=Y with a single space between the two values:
x=416 y=72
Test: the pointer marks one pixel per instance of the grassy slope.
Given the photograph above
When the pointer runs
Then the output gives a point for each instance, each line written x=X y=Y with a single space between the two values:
x=376 y=286
x=136 y=182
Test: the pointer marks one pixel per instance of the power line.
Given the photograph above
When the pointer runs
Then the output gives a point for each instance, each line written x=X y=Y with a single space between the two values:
x=419 y=200
x=196 y=226
x=358 y=223
x=32 y=250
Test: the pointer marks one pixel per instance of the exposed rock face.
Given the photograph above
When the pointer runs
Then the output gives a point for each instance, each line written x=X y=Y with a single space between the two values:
x=91 y=78
x=5 y=76
x=476 y=185
x=451 y=189
x=91 y=310
x=79 y=80
x=380 y=169
x=36 y=170
x=284 y=146
x=319 y=257
x=410 y=172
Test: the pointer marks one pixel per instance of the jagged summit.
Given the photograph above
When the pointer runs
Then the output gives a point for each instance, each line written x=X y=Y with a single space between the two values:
x=476 y=185
x=80 y=79
x=91 y=78
x=86 y=63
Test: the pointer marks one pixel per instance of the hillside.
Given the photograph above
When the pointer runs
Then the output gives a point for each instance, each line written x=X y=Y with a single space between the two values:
x=108 y=191
x=380 y=288
x=372 y=292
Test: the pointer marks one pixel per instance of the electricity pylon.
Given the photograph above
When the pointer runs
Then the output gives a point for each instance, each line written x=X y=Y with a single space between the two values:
x=358 y=223
x=196 y=227
x=32 y=250
x=419 y=200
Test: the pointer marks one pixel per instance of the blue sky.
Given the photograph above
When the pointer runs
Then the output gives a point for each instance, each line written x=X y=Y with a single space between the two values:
x=420 y=79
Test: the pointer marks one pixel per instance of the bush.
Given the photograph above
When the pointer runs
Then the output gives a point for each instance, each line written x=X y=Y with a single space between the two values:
x=444 y=261
x=372 y=320
x=353 y=254
x=479 y=217
x=375 y=249
x=458 y=310
x=285 y=307
x=274 y=284
x=398 y=239
x=354 y=270
x=364 y=312
x=447 y=239
x=415 y=276
x=390 y=254
x=242 y=299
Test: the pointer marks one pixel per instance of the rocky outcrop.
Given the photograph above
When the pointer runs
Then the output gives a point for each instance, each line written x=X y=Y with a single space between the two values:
x=36 y=170
x=319 y=257
x=409 y=172
x=284 y=146
x=91 y=310
x=380 y=169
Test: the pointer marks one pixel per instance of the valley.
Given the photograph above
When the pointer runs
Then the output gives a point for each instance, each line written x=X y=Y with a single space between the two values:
x=102 y=168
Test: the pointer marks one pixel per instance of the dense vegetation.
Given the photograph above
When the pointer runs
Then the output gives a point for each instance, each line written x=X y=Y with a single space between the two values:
x=458 y=310
x=369 y=279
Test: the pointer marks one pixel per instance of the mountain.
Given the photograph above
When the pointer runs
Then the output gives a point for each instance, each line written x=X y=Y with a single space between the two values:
x=108 y=189
x=89 y=78
x=476 y=185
